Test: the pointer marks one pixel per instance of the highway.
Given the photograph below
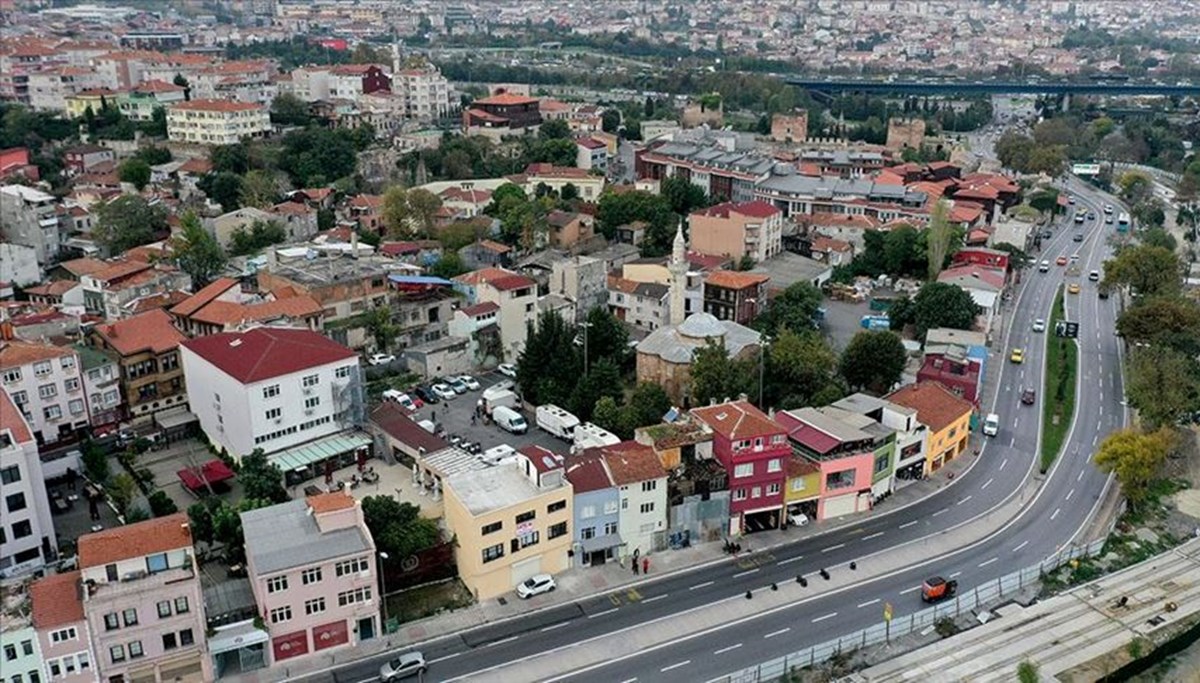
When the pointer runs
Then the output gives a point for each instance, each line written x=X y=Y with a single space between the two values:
x=945 y=87
x=1007 y=461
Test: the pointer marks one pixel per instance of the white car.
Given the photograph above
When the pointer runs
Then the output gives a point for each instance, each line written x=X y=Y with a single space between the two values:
x=1039 y=325
x=443 y=391
x=472 y=384
x=381 y=359
x=403 y=666
x=508 y=370
x=535 y=585
x=459 y=386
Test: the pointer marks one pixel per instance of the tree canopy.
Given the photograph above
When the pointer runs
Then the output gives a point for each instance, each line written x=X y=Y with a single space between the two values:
x=940 y=304
x=129 y=221
x=261 y=234
x=618 y=209
x=1150 y=270
x=197 y=252
x=793 y=309
x=802 y=370
x=1173 y=321
x=1163 y=385
x=549 y=366
x=398 y=527
x=873 y=360
x=716 y=376
x=136 y=172
x=1135 y=458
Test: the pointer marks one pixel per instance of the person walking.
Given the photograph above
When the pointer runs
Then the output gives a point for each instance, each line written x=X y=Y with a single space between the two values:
x=645 y=565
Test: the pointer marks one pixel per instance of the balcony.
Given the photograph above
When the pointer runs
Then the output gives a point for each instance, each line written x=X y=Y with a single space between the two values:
x=138 y=582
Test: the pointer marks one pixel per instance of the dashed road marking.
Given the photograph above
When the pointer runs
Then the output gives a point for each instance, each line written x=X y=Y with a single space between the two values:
x=723 y=650
x=1018 y=548
x=940 y=512
x=1055 y=514
x=600 y=614
x=507 y=640
x=823 y=618
x=706 y=584
x=1070 y=493
x=1080 y=477
x=748 y=572
x=657 y=597
x=909 y=590
x=963 y=500
x=955 y=574
x=833 y=547
x=987 y=562
x=908 y=524
x=985 y=484
x=868 y=603
x=1002 y=464
x=874 y=535
x=675 y=666
x=555 y=626
x=791 y=559
x=780 y=632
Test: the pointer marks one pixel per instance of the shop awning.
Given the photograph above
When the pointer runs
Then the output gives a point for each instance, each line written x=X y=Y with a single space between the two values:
x=597 y=543
x=175 y=417
x=321 y=449
x=236 y=636
x=212 y=471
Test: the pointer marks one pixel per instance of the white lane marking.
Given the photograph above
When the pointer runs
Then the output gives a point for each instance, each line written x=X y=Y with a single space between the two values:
x=551 y=628
x=706 y=584
x=780 y=632
x=657 y=597
x=723 y=650
x=1095 y=439
x=940 y=512
x=1055 y=514
x=987 y=562
x=1016 y=421
x=600 y=614
x=908 y=524
x=955 y=574
x=985 y=484
x=963 y=500
x=676 y=666
x=748 y=572
x=1080 y=477
x=868 y=604
x=909 y=590
x=1018 y=548
x=442 y=659
x=834 y=547
x=828 y=616
x=791 y=559
x=1002 y=464
x=508 y=640
x=629 y=680
x=874 y=535
x=1070 y=493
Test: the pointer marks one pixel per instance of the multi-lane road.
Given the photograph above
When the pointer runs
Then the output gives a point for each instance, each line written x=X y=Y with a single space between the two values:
x=1049 y=520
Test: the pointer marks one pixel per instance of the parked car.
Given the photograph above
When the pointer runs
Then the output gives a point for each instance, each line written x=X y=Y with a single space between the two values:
x=380 y=359
x=459 y=386
x=1028 y=396
x=535 y=585
x=406 y=665
x=508 y=370
x=443 y=391
x=471 y=382
x=426 y=394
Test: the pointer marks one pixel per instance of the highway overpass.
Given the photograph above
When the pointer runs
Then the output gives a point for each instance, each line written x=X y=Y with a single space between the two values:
x=944 y=87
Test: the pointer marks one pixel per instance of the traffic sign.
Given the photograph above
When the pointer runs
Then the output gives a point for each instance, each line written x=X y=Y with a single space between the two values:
x=1066 y=328
x=887 y=612
x=1085 y=169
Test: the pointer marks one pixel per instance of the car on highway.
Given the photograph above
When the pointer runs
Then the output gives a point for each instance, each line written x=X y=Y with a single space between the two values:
x=459 y=386
x=1094 y=276
x=405 y=666
x=508 y=370
x=535 y=585
x=1039 y=325
x=1071 y=199
x=1108 y=220
x=991 y=425
x=1028 y=396
x=1091 y=215
x=380 y=359
x=471 y=382
x=935 y=589
x=1108 y=208
x=1078 y=237
x=1061 y=260
x=443 y=391
x=1073 y=288
x=1044 y=266
x=1017 y=356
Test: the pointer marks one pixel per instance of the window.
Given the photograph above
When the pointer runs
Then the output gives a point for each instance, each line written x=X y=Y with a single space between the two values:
x=778 y=439
x=312 y=575
x=743 y=470
x=112 y=621
x=10 y=652
x=739 y=494
x=276 y=584
x=310 y=381
x=798 y=484
x=774 y=465
x=526 y=516
x=610 y=528
x=882 y=463
x=169 y=641
x=493 y=552
x=274 y=413
x=281 y=614
x=557 y=530
x=116 y=653
x=647 y=507
x=110 y=571
x=129 y=616
x=624 y=503
x=68 y=362
x=312 y=402
x=610 y=507
x=773 y=489
x=587 y=512
x=587 y=532
x=63 y=635
x=491 y=528
x=648 y=486
x=22 y=529
x=343 y=372
x=12 y=375
x=314 y=606
x=10 y=475
x=181 y=605
x=157 y=563
x=42 y=368
x=15 y=502
x=135 y=649
x=756 y=492
x=528 y=539
x=186 y=638
x=840 y=480
x=355 y=566
x=55 y=668
x=76 y=406
x=47 y=391
x=271 y=391
x=52 y=413
x=84 y=662
x=164 y=609
x=355 y=596
x=19 y=397
x=71 y=384
x=556 y=506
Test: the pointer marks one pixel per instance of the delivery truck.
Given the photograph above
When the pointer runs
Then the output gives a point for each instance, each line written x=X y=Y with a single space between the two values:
x=493 y=399
x=588 y=435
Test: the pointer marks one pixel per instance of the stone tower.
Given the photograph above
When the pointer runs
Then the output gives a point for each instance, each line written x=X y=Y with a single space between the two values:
x=677 y=267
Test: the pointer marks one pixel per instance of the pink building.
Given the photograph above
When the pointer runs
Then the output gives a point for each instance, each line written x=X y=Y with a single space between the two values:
x=142 y=602
x=754 y=449
x=62 y=629
x=843 y=453
x=313 y=573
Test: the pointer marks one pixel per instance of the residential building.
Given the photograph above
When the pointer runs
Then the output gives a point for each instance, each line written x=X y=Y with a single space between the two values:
x=591 y=155
x=46 y=384
x=910 y=433
x=102 y=386
x=664 y=357
x=466 y=199
x=753 y=449
x=596 y=516
x=736 y=231
x=216 y=122
x=426 y=93
x=642 y=484
x=486 y=254
x=717 y=166
x=366 y=211
x=313 y=570
x=224 y=226
x=86 y=158
x=15 y=164
x=502 y=115
x=22 y=658
x=588 y=187
x=142 y=99
x=28 y=541
x=112 y=291
x=29 y=217
x=958 y=367
x=147 y=350
x=801 y=195
x=62 y=629
x=222 y=306
x=516 y=295
x=985 y=285
x=802 y=493
x=510 y=521
x=580 y=279
x=299 y=220
x=19 y=265
x=480 y=325
x=568 y=228
x=947 y=418
x=349 y=81
x=272 y=388
x=641 y=304
x=143 y=604
x=734 y=295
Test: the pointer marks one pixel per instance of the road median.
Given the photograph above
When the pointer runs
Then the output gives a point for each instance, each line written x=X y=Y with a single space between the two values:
x=1058 y=402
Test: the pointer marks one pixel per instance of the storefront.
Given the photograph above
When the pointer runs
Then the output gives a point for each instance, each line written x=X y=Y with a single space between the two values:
x=237 y=649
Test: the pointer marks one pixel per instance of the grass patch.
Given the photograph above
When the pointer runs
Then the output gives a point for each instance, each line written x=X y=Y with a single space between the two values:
x=1058 y=404
x=428 y=600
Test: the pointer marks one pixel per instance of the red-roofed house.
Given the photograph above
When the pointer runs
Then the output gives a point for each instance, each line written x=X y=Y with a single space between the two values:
x=642 y=485
x=502 y=115
x=61 y=627
x=754 y=449
x=588 y=187
x=147 y=350
x=734 y=295
x=753 y=229
x=216 y=122
x=222 y=306
x=515 y=294
x=14 y=162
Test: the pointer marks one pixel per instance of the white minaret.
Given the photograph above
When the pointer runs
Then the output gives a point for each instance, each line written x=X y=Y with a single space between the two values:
x=678 y=269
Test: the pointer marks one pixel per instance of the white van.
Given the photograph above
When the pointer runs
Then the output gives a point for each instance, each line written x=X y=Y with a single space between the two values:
x=497 y=454
x=991 y=425
x=556 y=421
x=509 y=420
x=1044 y=266
x=400 y=397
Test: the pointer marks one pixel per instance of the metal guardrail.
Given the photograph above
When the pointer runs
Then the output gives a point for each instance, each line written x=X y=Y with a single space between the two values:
x=776 y=669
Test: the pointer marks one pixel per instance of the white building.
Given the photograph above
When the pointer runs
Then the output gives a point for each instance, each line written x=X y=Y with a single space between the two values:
x=29 y=217
x=46 y=384
x=22 y=658
x=216 y=122
x=642 y=483
x=19 y=264
x=426 y=93
x=270 y=388
x=28 y=542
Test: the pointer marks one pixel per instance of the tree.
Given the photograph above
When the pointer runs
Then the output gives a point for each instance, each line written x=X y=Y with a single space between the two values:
x=136 y=172
x=365 y=53
x=129 y=221
x=396 y=212
x=197 y=252
x=1027 y=672
x=289 y=110
x=610 y=120
x=549 y=366
x=716 y=376
x=1045 y=200
x=1150 y=214
x=95 y=462
x=233 y=158
x=424 y=206
x=873 y=360
x=556 y=129
x=1014 y=149
x=795 y=308
x=615 y=210
x=378 y=323
x=506 y=193
x=607 y=338
x=398 y=528
x=200 y=519
x=259 y=236
x=1163 y=320
x=683 y=195
x=449 y=265
x=939 y=304
x=259 y=189
x=609 y=415
x=261 y=479
x=603 y=378
x=904 y=252
x=121 y=491
x=224 y=188
x=1148 y=269
x=569 y=192
x=647 y=405
x=161 y=504
x=1162 y=384
x=557 y=151
x=800 y=366
x=1050 y=160
x=314 y=156
x=938 y=237
x=1135 y=458
x=154 y=155
x=1135 y=187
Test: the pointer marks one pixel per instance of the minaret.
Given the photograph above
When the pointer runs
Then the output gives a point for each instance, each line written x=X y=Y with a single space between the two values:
x=677 y=267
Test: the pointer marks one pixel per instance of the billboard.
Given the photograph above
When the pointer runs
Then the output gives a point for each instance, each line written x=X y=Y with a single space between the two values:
x=1085 y=169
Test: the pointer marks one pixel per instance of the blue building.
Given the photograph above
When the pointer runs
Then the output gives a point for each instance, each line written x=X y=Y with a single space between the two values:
x=597 y=510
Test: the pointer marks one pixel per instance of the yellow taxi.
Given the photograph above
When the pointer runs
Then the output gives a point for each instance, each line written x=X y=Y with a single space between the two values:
x=1073 y=288
x=1017 y=356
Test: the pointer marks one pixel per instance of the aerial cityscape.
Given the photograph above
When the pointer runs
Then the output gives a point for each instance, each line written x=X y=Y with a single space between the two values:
x=639 y=341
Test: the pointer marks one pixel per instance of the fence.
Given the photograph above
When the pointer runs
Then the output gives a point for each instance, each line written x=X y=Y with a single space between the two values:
x=776 y=669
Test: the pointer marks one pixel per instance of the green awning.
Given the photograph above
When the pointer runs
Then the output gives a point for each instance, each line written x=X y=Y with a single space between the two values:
x=316 y=451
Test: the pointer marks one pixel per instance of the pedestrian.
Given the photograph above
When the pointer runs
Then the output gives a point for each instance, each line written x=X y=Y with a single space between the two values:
x=645 y=565
x=635 y=567
x=472 y=420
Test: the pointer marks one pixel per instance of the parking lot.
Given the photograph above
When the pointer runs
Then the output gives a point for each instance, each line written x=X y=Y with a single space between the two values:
x=843 y=320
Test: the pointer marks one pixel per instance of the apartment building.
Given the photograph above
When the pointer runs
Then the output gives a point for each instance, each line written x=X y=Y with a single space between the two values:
x=62 y=629
x=641 y=483
x=216 y=122
x=29 y=217
x=27 y=538
x=146 y=347
x=111 y=291
x=102 y=386
x=222 y=306
x=511 y=521
x=587 y=186
x=596 y=518
x=734 y=295
x=46 y=384
x=502 y=115
x=20 y=656
x=274 y=389
x=426 y=93
x=313 y=572
x=735 y=231
x=142 y=99
x=143 y=604
x=515 y=294
x=910 y=433
x=946 y=416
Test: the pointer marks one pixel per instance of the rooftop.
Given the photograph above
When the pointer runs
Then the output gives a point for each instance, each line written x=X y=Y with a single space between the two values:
x=12 y=420
x=677 y=343
x=56 y=600
x=488 y=490
x=737 y=420
x=264 y=352
x=732 y=279
x=128 y=542
x=150 y=331
x=14 y=354
x=937 y=407
x=631 y=462
x=395 y=422
x=284 y=536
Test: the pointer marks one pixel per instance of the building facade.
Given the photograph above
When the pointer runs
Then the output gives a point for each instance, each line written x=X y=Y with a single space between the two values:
x=597 y=510
x=146 y=347
x=46 y=383
x=736 y=296
x=947 y=418
x=642 y=485
x=515 y=294
x=28 y=541
x=62 y=629
x=749 y=229
x=216 y=122
x=29 y=217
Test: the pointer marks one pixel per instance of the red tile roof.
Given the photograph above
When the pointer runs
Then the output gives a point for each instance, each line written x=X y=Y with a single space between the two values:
x=631 y=462
x=11 y=419
x=480 y=309
x=330 y=502
x=135 y=540
x=543 y=459
x=198 y=300
x=231 y=313
x=552 y=171
x=83 y=266
x=937 y=407
x=149 y=331
x=505 y=99
x=732 y=279
x=993 y=277
x=737 y=420
x=754 y=209
x=56 y=600
x=157 y=86
x=586 y=472
x=395 y=422
x=14 y=354
x=511 y=282
x=262 y=353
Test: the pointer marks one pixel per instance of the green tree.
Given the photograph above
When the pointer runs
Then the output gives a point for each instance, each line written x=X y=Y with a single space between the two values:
x=259 y=236
x=557 y=129
x=398 y=527
x=556 y=151
x=1136 y=458
x=1135 y=187
x=795 y=309
x=161 y=504
x=396 y=213
x=121 y=491
x=259 y=189
x=904 y=252
x=1148 y=269
x=716 y=376
x=800 y=366
x=365 y=53
x=939 y=304
x=129 y=221
x=609 y=415
x=683 y=195
x=549 y=366
x=224 y=188
x=200 y=519
x=1045 y=200
x=289 y=110
x=424 y=206
x=1162 y=384
x=260 y=478
x=873 y=360
x=197 y=252
x=153 y=155
x=1150 y=214
x=95 y=462
x=647 y=405
x=607 y=338
x=136 y=172
x=1163 y=320
x=938 y=237
x=505 y=194
x=610 y=120
x=378 y=323
x=449 y=265
x=233 y=158
x=569 y=192
x=615 y=210
x=1027 y=672
x=313 y=156
x=603 y=378
x=1014 y=150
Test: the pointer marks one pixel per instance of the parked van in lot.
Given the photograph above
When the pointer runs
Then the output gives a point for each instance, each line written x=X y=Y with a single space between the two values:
x=509 y=420
x=555 y=420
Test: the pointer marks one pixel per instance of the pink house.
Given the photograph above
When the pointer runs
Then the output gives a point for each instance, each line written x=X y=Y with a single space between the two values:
x=313 y=573
x=843 y=453
x=754 y=450
x=142 y=602
x=62 y=629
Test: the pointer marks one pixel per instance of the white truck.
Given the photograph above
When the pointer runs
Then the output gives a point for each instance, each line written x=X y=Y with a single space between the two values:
x=588 y=435
x=509 y=420
x=556 y=421
x=495 y=398
x=991 y=425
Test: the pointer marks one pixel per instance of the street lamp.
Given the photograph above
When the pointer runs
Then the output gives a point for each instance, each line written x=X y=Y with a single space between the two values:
x=585 y=325
x=383 y=583
x=763 y=340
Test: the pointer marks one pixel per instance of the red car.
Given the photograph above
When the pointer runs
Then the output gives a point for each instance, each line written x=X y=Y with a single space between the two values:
x=1061 y=260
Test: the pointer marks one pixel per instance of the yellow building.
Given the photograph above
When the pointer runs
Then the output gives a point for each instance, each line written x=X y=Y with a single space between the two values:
x=78 y=103
x=510 y=521
x=216 y=122
x=803 y=486
x=946 y=415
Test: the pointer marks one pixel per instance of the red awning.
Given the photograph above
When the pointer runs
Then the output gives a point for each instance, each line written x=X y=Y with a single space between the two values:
x=212 y=471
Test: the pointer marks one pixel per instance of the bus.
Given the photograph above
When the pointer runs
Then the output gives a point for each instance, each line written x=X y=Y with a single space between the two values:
x=1123 y=222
